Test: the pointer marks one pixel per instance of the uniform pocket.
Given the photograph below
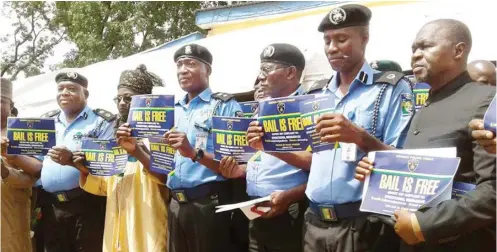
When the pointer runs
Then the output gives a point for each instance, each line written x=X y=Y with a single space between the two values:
x=364 y=119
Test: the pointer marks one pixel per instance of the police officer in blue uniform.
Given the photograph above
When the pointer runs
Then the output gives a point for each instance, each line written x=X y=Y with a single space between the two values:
x=371 y=107
x=196 y=184
x=280 y=229
x=73 y=219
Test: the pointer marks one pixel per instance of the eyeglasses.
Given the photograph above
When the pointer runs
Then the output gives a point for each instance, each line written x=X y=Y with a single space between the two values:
x=266 y=70
x=126 y=99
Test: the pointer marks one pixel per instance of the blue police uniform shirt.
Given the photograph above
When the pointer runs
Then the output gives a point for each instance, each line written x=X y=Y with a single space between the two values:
x=331 y=180
x=55 y=177
x=195 y=118
x=270 y=173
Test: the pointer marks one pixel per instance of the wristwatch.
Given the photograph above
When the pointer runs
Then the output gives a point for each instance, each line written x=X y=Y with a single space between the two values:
x=199 y=154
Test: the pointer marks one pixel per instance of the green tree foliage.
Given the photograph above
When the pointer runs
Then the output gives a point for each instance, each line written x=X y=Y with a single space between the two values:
x=33 y=38
x=109 y=30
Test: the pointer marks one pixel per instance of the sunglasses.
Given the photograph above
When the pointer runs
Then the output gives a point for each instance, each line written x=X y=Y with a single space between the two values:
x=126 y=99
x=266 y=70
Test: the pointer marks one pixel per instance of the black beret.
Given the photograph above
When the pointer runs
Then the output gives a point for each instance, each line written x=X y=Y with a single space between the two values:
x=386 y=65
x=195 y=51
x=72 y=77
x=346 y=16
x=284 y=54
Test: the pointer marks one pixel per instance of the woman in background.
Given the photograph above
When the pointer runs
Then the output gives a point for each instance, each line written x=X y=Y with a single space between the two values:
x=136 y=215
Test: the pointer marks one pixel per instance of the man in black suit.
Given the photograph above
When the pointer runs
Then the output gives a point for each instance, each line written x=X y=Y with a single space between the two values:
x=440 y=53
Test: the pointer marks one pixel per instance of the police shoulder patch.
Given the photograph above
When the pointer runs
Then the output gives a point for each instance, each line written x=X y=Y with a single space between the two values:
x=222 y=96
x=106 y=115
x=318 y=85
x=390 y=77
x=51 y=113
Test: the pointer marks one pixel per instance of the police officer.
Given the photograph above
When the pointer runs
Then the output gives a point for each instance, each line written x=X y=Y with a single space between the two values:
x=371 y=108
x=281 y=228
x=73 y=219
x=440 y=53
x=197 y=186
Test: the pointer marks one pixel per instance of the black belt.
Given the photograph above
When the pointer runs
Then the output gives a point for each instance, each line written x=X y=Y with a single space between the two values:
x=190 y=194
x=66 y=196
x=334 y=213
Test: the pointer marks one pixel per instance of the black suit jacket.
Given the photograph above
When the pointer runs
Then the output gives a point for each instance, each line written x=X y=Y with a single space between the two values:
x=443 y=122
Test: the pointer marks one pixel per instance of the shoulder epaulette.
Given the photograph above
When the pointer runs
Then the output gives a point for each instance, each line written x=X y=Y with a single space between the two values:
x=222 y=96
x=106 y=115
x=51 y=113
x=390 y=77
x=318 y=85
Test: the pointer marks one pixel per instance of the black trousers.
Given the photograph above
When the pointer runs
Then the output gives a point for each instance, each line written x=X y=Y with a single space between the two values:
x=481 y=240
x=282 y=233
x=239 y=228
x=348 y=235
x=195 y=227
x=73 y=226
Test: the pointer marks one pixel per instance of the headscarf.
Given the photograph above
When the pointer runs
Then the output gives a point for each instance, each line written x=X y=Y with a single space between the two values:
x=139 y=80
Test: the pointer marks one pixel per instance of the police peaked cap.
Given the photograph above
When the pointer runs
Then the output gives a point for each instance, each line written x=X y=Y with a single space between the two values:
x=346 y=16
x=386 y=65
x=194 y=51
x=284 y=54
x=72 y=77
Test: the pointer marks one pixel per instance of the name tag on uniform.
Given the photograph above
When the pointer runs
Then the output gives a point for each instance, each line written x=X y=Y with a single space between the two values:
x=349 y=152
x=201 y=140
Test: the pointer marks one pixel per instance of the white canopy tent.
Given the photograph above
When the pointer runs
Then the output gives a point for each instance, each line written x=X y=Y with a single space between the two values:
x=236 y=54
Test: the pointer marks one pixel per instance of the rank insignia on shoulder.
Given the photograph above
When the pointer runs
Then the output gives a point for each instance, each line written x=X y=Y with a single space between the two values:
x=106 y=115
x=318 y=85
x=51 y=113
x=390 y=77
x=222 y=96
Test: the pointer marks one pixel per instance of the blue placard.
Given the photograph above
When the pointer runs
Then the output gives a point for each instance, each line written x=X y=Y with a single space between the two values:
x=311 y=110
x=421 y=91
x=402 y=181
x=489 y=119
x=104 y=157
x=460 y=188
x=230 y=139
x=249 y=108
x=30 y=136
x=151 y=115
x=282 y=125
x=162 y=156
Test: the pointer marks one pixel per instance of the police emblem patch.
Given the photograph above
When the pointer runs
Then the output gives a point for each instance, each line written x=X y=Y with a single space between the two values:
x=148 y=102
x=239 y=114
x=72 y=75
x=337 y=16
x=229 y=125
x=374 y=64
x=281 y=107
x=412 y=164
x=254 y=107
x=188 y=49
x=406 y=104
x=315 y=106
x=268 y=52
